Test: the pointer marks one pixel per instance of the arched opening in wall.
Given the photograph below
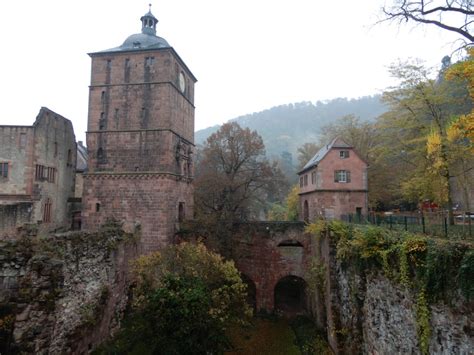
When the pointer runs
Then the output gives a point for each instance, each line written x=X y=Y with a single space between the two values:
x=305 y=211
x=251 y=291
x=290 y=296
x=181 y=213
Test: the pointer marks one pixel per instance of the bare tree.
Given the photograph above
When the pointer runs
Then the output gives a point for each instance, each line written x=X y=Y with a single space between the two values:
x=450 y=15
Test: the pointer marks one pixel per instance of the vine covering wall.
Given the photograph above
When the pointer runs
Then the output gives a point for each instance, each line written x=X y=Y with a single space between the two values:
x=394 y=292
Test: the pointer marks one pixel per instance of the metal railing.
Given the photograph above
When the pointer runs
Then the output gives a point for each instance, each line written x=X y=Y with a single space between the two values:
x=430 y=223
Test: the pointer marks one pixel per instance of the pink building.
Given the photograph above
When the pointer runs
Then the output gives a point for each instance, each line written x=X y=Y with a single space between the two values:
x=333 y=183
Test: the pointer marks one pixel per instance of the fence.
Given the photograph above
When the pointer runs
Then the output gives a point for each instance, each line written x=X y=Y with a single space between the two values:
x=432 y=223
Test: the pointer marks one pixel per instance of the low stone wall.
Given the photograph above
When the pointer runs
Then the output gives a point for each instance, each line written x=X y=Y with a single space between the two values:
x=14 y=215
x=63 y=293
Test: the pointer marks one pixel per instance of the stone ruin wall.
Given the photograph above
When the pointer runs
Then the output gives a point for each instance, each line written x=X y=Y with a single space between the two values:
x=371 y=314
x=63 y=293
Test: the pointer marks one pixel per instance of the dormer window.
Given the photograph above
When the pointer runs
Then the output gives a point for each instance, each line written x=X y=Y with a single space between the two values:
x=343 y=154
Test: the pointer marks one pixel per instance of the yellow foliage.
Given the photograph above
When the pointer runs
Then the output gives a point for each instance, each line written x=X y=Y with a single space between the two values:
x=433 y=143
x=464 y=70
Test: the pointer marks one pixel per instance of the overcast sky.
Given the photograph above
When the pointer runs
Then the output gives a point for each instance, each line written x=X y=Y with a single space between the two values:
x=248 y=55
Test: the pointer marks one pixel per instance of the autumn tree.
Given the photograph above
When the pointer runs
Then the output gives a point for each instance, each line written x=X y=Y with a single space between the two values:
x=452 y=15
x=233 y=177
x=421 y=107
x=306 y=152
x=287 y=211
x=362 y=135
x=185 y=297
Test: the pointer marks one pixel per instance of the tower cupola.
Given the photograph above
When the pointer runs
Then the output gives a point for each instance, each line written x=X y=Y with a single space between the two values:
x=149 y=22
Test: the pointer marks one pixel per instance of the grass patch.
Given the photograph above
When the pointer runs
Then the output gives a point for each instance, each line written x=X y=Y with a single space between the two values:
x=264 y=337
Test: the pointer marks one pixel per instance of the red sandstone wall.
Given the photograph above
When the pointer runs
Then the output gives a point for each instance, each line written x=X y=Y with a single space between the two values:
x=333 y=204
x=258 y=256
x=119 y=94
x=148 y=200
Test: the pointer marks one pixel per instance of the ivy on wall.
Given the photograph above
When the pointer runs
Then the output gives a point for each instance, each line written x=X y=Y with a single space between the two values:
x=434 y=269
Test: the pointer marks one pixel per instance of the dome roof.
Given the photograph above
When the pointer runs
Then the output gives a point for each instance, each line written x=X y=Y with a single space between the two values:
x=143 y=41
x=147 y=39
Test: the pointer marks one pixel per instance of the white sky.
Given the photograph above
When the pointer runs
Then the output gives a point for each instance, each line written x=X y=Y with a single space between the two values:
x=248 y=55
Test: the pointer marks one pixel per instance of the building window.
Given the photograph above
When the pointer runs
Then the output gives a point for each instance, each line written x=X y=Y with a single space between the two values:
x=55 y=149
x=22 y=140
x=127 y=63
x=45 y=173
x=149 y=61
x=51 y=174
x=305 y=211
x=109 y=64
x=343 y=154
x=97 y=207
x=301 y=181
x=4 y=170
x=313 y=178
x=181 y=213
x=47 y=211
x=342 y=176
x=100 y=155
x=306 y=180
x=69 y=157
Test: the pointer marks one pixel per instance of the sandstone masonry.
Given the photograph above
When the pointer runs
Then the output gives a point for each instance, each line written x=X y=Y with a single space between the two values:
x=140 y=138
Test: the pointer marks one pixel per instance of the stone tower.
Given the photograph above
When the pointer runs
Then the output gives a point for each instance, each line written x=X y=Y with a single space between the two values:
x=140 y=137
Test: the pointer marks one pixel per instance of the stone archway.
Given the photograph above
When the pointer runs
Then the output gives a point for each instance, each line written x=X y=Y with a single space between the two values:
x=251 y=291
x=290 y=296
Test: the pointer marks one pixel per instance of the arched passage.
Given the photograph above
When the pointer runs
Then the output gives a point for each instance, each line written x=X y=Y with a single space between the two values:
x=290 y=295
x=251 y=291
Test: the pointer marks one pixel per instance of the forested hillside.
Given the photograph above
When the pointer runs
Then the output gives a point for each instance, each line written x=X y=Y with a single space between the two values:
x=285 y=128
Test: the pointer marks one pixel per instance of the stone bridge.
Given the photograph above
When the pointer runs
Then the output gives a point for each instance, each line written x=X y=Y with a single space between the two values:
x=274 y=259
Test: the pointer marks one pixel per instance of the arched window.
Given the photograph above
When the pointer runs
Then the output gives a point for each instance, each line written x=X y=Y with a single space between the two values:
x=305 y=211
x=181 y=212
x=100 y=154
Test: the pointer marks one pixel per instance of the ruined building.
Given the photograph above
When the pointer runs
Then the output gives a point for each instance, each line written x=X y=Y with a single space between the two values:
x=333 y=183
x=140 y=137
x=37 y=167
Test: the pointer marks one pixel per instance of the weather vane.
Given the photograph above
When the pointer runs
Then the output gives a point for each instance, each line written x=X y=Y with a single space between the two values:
x=149 y=5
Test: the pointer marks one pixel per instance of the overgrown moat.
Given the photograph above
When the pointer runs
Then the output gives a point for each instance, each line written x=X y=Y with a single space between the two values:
x=365 y=289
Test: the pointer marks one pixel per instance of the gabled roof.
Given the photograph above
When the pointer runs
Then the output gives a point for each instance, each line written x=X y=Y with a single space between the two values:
x=314 y=161
x=82 y=157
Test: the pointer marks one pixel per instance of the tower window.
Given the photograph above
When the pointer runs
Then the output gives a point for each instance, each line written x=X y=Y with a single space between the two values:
x=55 y=149
x=3 y=170
x=100 y=154
x=149 y=61
x=181 y=213
x=127 y=63
x=97 y=207
x=102 y=96
x=109 y=63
